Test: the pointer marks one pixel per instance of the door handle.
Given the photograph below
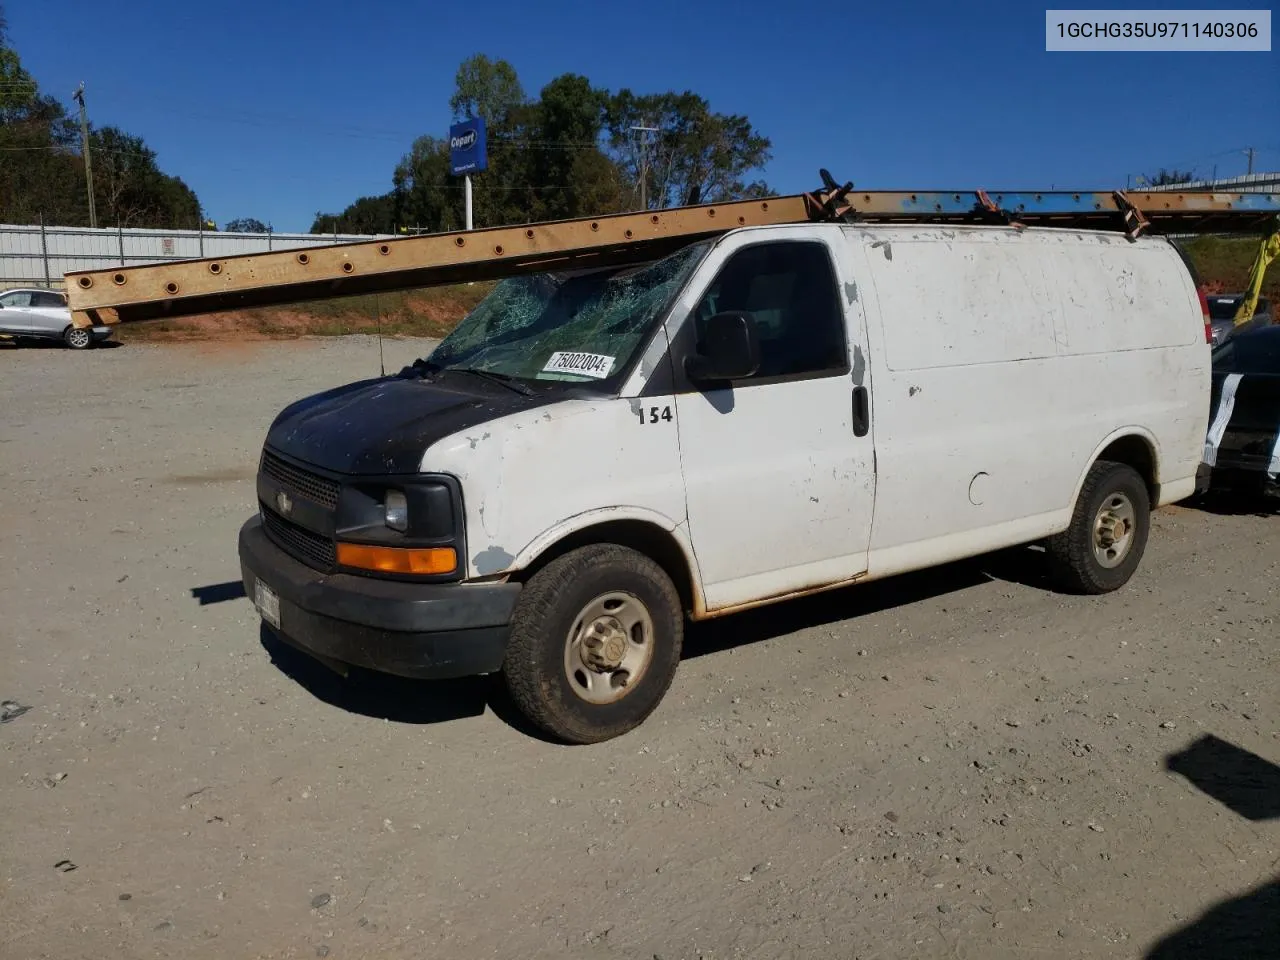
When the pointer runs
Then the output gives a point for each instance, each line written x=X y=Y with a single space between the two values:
x=861 y=415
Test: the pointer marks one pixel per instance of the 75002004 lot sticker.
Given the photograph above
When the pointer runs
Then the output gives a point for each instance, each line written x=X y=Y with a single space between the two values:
x=588 y=364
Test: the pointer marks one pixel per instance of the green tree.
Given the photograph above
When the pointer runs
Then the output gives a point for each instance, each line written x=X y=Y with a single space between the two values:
x=1167 y=178
x=426 y=192
x=571 y=175
x=423 y=194
x=42 y=172
x=696 y=156
x=40 y=168
x=366 y=215
x=566 y=153
x=246 y=225
x=485 y=88
x=130 y=190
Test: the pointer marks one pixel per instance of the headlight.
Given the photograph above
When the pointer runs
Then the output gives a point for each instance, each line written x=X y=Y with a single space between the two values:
x=396 y=510
x=408 y=527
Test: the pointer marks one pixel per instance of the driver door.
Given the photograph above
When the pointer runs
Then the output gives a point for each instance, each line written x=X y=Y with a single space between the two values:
x=778 y=467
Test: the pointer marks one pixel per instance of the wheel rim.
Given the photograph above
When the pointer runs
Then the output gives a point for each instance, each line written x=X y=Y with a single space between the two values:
x=608 y=648
x=1113 y=530
x=78 y=338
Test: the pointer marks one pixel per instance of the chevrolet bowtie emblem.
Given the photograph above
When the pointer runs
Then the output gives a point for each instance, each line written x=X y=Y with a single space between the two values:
x=284 y=502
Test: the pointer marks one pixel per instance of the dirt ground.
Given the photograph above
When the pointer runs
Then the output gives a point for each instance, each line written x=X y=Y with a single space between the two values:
x=955 y=764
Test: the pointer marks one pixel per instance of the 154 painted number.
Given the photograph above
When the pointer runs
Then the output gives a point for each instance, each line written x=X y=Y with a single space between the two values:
x=653 y=414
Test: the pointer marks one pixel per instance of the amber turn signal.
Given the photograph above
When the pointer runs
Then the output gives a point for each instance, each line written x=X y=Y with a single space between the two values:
x=431 y=560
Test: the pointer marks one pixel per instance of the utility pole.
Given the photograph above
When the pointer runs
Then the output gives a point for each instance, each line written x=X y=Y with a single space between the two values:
x=642 y=160
x=1249 y=153
x=84 y=141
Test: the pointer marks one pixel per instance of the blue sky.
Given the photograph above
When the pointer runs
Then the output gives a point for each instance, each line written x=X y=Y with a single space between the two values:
x=278 y=108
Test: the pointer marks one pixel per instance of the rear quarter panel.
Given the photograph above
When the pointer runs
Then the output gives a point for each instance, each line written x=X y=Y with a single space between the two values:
x=1003 y=360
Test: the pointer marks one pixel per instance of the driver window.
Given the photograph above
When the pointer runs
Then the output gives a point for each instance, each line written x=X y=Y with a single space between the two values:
x=789 y=289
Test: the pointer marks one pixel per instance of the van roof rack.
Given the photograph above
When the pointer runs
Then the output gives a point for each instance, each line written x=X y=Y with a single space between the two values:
x=186 y=287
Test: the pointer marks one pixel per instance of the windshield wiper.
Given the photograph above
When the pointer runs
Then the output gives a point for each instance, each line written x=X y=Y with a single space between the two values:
x=509 y=382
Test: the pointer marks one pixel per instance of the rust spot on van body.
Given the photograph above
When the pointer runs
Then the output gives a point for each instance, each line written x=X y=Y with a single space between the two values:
x=702 y=613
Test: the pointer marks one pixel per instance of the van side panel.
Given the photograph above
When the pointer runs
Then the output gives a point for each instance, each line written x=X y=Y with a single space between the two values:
x=1002 y=359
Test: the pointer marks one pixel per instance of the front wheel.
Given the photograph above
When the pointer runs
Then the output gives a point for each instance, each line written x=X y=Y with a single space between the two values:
x=595 y=642
x=77 y=338
x=1102 y=548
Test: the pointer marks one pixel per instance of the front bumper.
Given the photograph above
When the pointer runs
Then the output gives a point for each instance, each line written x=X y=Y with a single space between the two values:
x=426 y=631
x=101 y=333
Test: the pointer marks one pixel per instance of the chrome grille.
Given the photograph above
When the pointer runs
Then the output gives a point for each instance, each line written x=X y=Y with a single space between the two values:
x=315 y=488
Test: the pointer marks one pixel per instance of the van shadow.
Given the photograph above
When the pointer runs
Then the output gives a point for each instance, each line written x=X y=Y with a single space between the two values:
x=1238 y=779
x=381 y=696
x=404 y=700
x=1236 y=504
x=1245 y=927
x=1022 y=565
x=1242 y=928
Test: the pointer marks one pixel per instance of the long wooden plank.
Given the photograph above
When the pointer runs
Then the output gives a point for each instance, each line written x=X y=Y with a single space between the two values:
x=200 y=286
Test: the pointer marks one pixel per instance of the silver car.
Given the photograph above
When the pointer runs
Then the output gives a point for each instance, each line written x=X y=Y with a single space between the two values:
x=30 y=312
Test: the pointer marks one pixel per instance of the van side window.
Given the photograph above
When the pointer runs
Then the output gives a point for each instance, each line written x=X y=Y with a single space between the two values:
x=789 y=288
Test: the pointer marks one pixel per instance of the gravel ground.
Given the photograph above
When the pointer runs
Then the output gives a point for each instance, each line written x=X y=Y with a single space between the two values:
x=951 y=764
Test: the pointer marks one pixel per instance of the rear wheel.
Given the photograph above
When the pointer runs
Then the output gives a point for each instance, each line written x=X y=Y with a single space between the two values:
x=1107 y=538
x=77 y=338
x=595 y=642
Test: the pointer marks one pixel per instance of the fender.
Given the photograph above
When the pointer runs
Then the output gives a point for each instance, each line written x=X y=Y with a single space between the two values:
x=1120 y=433
x=601 y=515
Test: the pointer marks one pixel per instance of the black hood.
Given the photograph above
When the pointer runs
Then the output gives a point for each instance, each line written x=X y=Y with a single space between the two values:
x=383 y=425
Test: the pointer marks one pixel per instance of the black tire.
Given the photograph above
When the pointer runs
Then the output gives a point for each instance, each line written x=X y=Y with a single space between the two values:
x=1074 y=564
x=535 y=670
x=77 y=338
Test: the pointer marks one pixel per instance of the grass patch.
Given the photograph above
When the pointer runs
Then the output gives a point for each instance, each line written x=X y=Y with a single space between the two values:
x=1224 y=262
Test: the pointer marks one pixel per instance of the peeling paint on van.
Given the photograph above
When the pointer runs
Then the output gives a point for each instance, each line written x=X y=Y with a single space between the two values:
x=491 y=560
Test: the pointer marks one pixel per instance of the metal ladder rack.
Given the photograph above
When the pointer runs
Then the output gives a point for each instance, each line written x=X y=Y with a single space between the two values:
x=186 y=287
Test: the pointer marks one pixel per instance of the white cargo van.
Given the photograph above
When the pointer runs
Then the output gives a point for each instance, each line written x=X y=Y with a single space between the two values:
x=592 y=458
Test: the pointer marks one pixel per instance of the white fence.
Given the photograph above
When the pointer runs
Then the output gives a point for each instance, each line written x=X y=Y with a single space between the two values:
x=35 y=255
x=1246 y=183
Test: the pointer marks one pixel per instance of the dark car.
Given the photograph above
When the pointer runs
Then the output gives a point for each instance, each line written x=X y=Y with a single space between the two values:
x=1242 y=449
x=1222 y=315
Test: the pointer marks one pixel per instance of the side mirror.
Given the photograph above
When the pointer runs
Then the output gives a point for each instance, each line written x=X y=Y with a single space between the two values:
x=732 y=349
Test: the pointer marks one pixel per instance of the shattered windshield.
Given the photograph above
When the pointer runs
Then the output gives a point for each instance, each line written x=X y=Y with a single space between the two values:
x=576 y=327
